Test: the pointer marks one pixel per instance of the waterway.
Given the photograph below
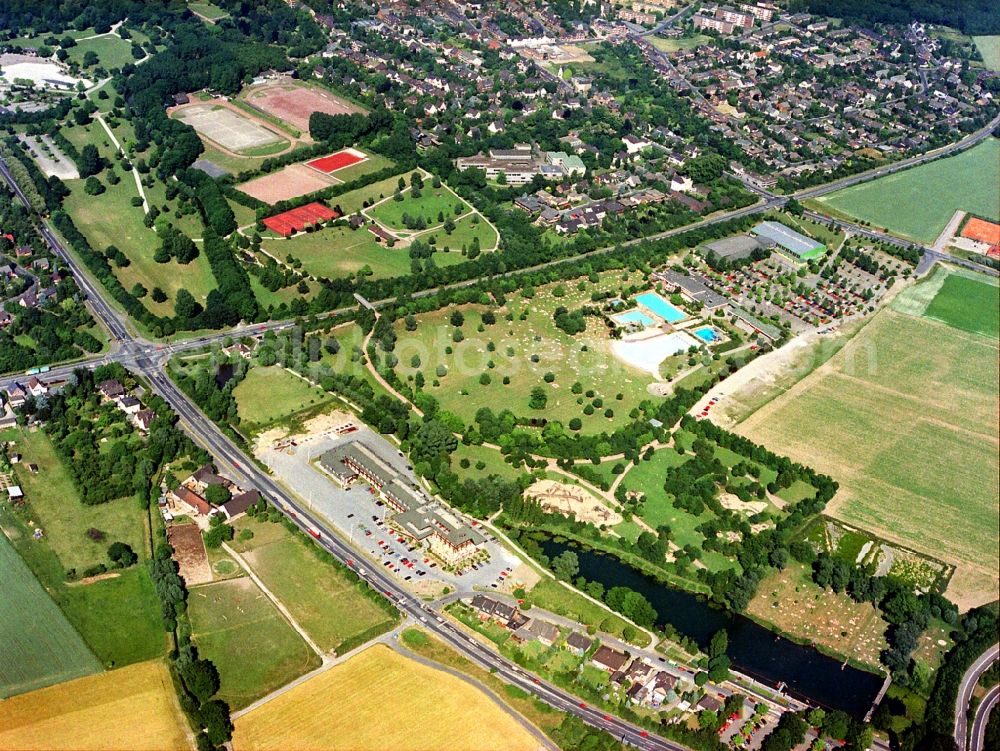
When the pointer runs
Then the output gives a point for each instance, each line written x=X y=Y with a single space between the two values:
x=754 y=650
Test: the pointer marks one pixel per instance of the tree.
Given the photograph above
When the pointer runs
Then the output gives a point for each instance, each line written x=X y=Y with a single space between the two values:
x=200 y=677
x=185 y=306
x=93 y=186
x=122 y=554
x=89 y=162
x=457 y=319
x=217 y=495
x=538 y=398
x=566 y=565
x=214 y=718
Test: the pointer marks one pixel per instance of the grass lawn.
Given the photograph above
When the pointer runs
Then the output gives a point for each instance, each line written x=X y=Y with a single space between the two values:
x=432 y=203
x=923 y=395
x=676 y=44
x=917 y=203
x=466 y=229
x=208 y=10
x=39 y=647
x=791 y=601
x=554 y=597
x=354 y=200
x=968 y=304
x=255 y=650
x=328 y=711
x=112 y=51
x=110 y=219
x=485 y=461
x=524 y=349
x=319 y=597
x=135 y=707
x=989 y=48
x=336 y=252
x=65 y=521
x=269 y=395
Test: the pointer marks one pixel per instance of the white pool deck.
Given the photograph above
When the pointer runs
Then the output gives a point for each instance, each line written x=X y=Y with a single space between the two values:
x=647 y=354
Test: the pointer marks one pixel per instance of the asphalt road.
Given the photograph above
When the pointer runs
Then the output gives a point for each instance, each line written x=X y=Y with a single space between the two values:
x=965 y=689
x=988 y=705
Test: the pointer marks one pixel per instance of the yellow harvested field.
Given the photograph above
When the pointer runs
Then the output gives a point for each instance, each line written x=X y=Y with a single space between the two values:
x=134 y=707
x=380 y=700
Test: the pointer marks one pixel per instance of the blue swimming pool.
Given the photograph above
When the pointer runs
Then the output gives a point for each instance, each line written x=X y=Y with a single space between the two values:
x=707 y=334
x=661 y=307
x=635 y=316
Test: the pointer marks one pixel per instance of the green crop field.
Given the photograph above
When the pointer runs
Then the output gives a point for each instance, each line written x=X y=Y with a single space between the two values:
x=39 y=646
x=920 y=397
x=917 y=203
x=968 y=304
x=254 y=649
x=989 y=48
x=269 y=395
x=319 y=597
x=524 y=349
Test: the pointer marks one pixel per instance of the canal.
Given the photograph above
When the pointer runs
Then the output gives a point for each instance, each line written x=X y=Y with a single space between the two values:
x=753 y=649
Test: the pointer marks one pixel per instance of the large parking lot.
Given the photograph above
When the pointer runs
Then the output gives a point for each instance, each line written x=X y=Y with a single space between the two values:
x=361 y=517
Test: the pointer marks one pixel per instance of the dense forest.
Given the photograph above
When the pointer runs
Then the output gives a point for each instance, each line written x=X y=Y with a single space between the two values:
x=974 y=17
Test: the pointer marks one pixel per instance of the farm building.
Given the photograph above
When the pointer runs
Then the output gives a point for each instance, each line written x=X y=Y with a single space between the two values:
x=798 y=245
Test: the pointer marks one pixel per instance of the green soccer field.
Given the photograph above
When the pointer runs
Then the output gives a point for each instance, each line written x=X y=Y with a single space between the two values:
x=917 y=203
x=39 y=646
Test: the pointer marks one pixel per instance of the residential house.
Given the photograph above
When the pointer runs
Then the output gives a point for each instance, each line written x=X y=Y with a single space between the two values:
x=609 y=659
x=577 y=643
x=238 y=504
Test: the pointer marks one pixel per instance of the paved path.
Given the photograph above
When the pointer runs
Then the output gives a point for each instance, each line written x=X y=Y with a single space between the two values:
x=135 y=172
x=965 y=689
x=948 y=232
x=277 y=603
x=543 y=741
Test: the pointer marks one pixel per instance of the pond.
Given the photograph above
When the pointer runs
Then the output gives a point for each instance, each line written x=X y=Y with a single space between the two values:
x=753 y=649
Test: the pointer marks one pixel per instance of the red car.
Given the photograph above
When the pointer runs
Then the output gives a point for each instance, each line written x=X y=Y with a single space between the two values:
x=582 y=705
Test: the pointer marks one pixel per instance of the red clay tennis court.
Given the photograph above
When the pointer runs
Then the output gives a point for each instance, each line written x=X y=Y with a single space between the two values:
x=982 y=231
x=296 y=220
x=334 y=162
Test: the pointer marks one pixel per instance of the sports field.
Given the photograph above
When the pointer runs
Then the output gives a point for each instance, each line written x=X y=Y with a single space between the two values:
x=39 y=647
x=921 y=398
x=230 y=129
x=294 y=101
x=255 y=650
x=302 y=178
x=404 y=704
x=134 y=708
x=318 y=596
x=268 y=395
x=524 y=350
x=917 y=203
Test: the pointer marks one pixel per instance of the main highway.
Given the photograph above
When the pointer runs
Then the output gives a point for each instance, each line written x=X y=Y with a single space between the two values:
x=149 y=359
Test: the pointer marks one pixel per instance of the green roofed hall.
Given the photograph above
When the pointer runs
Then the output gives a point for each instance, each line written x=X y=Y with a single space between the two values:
x=802 y=247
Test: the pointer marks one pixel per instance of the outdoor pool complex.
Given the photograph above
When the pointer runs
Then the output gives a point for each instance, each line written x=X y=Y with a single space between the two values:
x=635 y=316
x=707 y=334
x=661 y=307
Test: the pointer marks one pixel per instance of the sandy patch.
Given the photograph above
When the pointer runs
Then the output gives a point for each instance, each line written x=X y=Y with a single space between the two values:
x=291 y=182
x=572 y=500
x=647 y=354
x=327 y=423
x=731 y=502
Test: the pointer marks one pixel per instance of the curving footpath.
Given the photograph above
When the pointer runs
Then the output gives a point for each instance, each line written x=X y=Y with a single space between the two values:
x=965 y=689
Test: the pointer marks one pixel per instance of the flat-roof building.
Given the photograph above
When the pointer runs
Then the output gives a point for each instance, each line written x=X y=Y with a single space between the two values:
x=735 y=248
x=798 y=245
